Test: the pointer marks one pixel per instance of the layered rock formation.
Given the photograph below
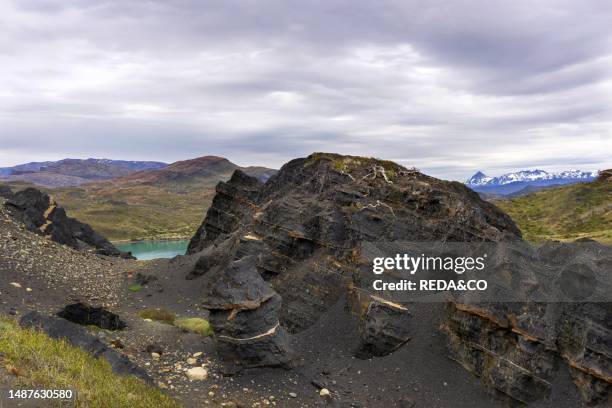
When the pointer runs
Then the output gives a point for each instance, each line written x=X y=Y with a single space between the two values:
x=564 y=318
x=298 y=236
x=274 y=257
x=41 y=214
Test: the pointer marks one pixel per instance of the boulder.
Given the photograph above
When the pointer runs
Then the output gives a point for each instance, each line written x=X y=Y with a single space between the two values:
x=245 y=314
x=384 y=325
x=88 y=315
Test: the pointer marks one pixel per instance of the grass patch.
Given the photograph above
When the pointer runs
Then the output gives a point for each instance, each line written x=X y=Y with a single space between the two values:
x=135 y=288
x=191 y=324
x=158 y=315
x=564 y=213
x=42 y=362
x=195 y=325
x=345 y=163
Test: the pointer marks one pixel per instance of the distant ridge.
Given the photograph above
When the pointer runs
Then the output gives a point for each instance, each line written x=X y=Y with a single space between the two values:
x=205 y=169
x=511 y=183
x=73 y=172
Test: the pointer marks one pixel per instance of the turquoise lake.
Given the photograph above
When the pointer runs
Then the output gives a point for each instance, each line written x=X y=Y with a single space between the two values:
x=145 y=250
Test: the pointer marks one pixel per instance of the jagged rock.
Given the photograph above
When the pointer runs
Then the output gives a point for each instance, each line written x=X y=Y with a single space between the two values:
x=88 y=315
x=79 y=337
x=229 y=205
x=40 y=214
x=384 y=325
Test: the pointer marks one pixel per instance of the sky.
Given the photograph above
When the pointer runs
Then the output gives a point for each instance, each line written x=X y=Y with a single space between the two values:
x=450 y=87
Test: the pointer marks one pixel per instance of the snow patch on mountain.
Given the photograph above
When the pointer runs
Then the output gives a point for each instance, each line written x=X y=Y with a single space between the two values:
x=480 y=179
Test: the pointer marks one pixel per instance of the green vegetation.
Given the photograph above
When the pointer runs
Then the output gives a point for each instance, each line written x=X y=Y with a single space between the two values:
x=344 y=163
x=38 y=361
x=135 y=288
x=137 y=212
x=192 y=324
x=195 y=325
x=564 y=213
x=159 y=315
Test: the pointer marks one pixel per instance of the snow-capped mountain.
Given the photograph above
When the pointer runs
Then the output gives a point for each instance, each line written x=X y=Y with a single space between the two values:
x=512 y=182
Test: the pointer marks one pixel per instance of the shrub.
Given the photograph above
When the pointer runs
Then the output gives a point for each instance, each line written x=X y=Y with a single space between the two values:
x=195 y=325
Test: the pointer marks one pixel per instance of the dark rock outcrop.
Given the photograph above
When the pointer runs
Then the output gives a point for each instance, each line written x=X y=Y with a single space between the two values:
x=88 y=315
x=41 y=214
x=605 y=175
x=565 y=318
x=76 y=335
x=6 y=192
x=279 y=254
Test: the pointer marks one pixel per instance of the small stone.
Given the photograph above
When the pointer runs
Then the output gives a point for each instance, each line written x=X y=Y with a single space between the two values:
x=198 y=354
x=293 y=395
x=197 y=374
x=15 y=284
x=28 y=289
x=324 y=393
x=191 y=361
x=155 y=355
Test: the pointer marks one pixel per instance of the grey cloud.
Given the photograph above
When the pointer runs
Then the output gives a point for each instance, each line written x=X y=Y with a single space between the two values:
x=447 y=85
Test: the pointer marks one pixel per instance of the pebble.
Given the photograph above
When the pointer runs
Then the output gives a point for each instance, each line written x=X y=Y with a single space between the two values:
x=191 y=361
x=293 y=395
x=197 y=374
x=198 y=354
x=15 y=284
x=324 y=392
x=155 y=355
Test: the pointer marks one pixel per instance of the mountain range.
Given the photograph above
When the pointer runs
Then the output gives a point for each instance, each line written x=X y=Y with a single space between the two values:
x=526 y=181
x=74 y=172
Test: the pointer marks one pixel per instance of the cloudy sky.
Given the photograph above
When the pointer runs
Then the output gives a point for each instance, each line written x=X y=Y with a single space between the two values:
x=447 y=86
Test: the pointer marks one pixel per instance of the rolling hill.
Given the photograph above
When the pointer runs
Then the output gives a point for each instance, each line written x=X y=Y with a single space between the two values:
x=565 y=213
x=166 y=203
